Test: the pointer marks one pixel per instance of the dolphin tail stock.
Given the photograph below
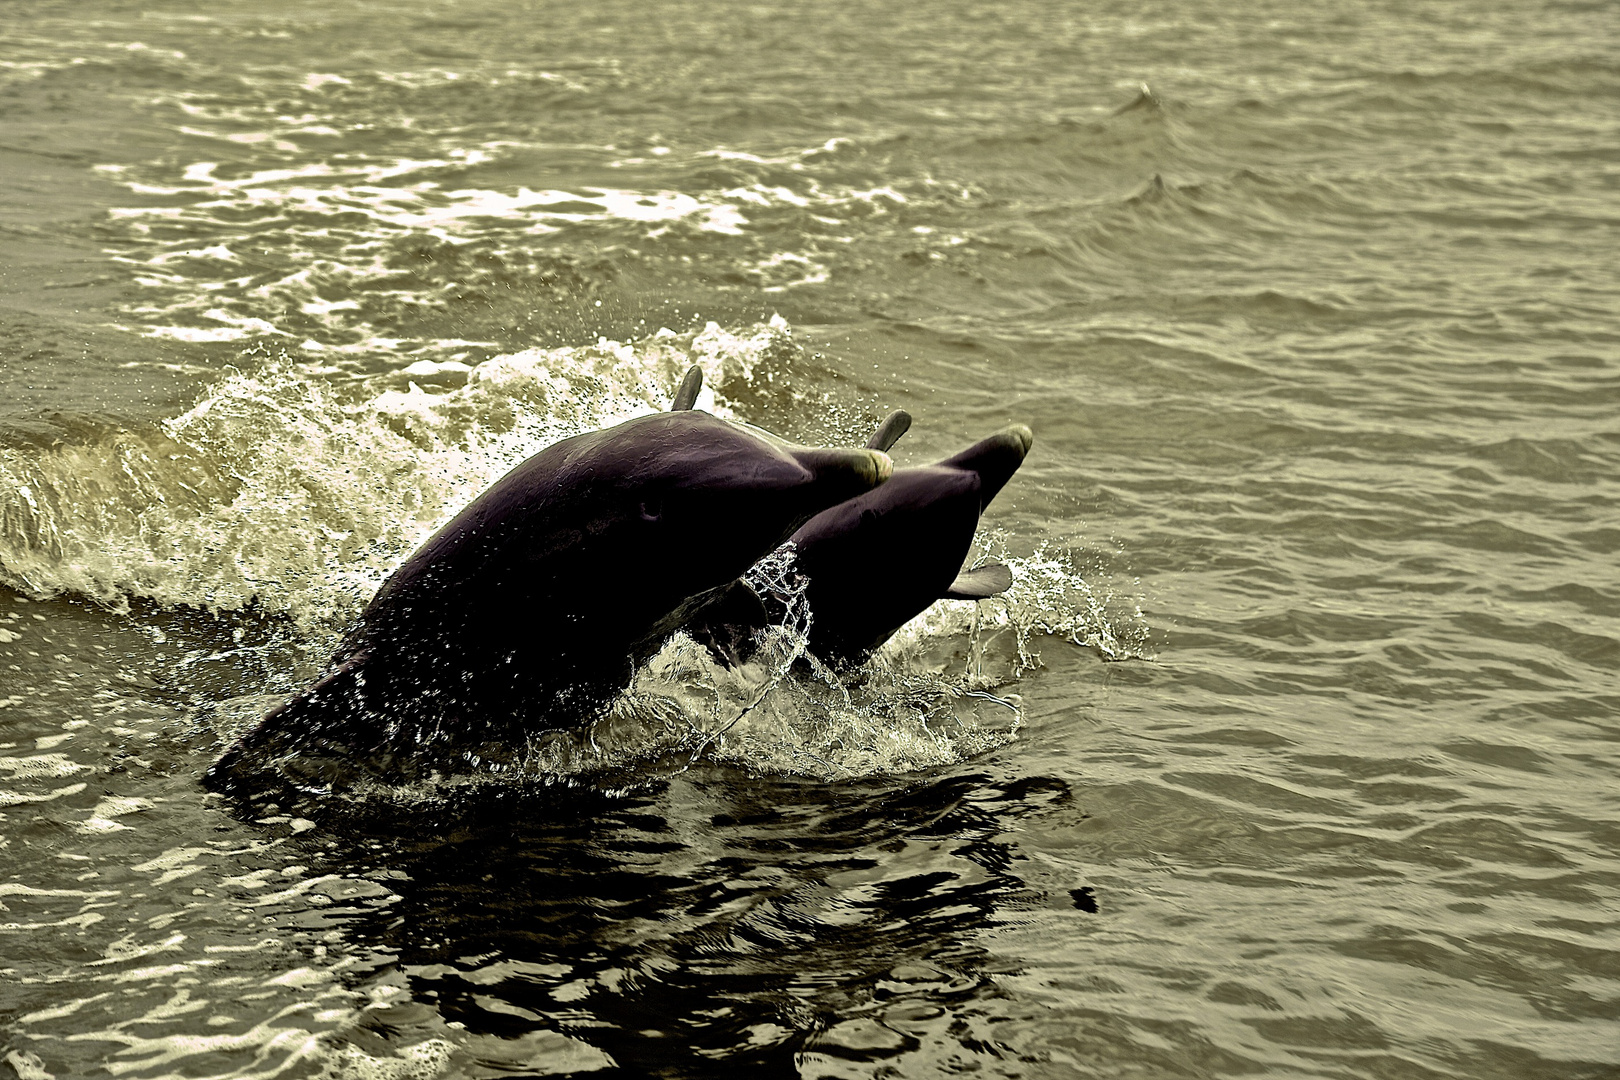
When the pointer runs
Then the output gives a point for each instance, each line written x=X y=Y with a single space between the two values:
x=686 y=394
x=888 y=433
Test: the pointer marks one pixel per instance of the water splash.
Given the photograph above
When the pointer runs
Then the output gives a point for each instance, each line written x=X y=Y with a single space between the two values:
x=291 y=495
x=1051 y=597
x=783 y=712
x=934 y=695
x=296 y=495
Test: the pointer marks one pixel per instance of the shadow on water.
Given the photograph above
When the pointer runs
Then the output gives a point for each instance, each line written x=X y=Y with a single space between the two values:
x=712 y=919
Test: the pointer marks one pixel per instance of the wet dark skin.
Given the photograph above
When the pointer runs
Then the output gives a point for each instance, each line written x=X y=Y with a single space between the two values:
x=876 y=561
x=530 y=610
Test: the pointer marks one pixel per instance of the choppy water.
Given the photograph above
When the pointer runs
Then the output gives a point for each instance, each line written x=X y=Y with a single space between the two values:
x=1315 y=316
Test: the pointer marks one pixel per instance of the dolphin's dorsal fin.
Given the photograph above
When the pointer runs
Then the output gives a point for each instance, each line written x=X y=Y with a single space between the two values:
x=889 y=432
x=686 y=394
x=991 y=579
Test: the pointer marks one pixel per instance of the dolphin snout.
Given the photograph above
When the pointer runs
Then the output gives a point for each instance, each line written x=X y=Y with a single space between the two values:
x=1021 y=433
x=995 y=459
x=873 y=467
x=885 y=464
x=842 y=473
x=1010 y=446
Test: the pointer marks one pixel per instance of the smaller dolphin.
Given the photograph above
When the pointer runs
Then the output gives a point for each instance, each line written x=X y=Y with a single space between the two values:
x=874 y=562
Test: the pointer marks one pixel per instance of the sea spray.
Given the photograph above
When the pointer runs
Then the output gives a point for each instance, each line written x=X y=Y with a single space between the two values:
x=297 y=495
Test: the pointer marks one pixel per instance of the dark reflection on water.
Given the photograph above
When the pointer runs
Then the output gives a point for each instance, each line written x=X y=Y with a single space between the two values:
x=714 y=918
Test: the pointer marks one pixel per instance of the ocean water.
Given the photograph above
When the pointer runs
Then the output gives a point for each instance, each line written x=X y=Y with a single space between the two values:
x=1292 y=753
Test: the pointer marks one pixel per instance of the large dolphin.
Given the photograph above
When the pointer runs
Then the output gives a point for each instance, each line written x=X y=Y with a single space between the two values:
x=874 y=562
x=530 y=610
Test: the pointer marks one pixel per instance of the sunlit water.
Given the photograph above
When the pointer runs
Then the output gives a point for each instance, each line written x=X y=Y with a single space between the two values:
x=1293 y=751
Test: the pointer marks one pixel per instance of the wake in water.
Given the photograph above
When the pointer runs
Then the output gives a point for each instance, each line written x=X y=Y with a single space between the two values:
x=292 y=498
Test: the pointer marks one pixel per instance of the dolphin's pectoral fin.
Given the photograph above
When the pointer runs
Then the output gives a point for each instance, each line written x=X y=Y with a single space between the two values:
x=686 y=394
x=991 y=579
x=889 y=432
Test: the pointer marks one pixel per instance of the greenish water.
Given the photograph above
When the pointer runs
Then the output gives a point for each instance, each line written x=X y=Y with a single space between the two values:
x=1314 y=643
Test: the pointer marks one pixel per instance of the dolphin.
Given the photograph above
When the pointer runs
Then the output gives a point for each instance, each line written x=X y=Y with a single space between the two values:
x=531 y=608
x=872 y=563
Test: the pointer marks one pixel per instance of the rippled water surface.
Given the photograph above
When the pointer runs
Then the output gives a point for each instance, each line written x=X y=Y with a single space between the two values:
x=1292 y=752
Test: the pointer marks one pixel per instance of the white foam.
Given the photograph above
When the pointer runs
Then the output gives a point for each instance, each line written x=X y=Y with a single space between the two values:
x=275 y=490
